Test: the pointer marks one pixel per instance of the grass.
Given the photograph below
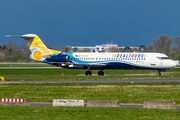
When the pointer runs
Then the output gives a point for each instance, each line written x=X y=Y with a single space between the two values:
x=134 y=93
x=79 y=113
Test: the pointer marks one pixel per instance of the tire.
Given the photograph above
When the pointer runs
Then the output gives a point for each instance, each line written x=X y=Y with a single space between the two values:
x=100 y=73
x=88 y=73
x=159 y=74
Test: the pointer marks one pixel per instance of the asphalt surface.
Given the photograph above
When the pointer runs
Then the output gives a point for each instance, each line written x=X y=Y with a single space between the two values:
x=167 y=80
x=121 y=105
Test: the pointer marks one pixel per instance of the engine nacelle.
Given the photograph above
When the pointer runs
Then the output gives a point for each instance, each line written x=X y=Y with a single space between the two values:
x=59 y=58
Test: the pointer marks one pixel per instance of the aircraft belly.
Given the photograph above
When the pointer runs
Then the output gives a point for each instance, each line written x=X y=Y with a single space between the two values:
x=122 y=65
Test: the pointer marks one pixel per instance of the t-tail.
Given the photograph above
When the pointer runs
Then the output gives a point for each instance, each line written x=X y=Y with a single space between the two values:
x=38 y=49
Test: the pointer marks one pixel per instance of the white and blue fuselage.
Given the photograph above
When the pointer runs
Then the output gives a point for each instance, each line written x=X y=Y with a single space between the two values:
x=123 y=60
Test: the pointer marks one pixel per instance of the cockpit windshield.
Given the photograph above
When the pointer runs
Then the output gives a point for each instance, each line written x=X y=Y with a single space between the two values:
x=162 y=58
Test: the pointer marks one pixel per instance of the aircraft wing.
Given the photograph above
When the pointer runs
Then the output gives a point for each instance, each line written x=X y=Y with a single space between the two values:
x=87 y=65
x=71 y=64
x=91 y=64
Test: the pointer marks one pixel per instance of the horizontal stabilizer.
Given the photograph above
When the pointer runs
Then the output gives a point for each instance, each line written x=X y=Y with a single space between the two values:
x=23 y=36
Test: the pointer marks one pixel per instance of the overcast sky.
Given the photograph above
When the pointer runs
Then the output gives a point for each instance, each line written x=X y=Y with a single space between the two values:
x=90 y=22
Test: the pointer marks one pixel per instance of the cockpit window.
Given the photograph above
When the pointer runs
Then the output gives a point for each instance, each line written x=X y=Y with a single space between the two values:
x=162 y=58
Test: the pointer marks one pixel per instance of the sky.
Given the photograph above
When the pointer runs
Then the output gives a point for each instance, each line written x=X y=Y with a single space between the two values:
x=90 y=22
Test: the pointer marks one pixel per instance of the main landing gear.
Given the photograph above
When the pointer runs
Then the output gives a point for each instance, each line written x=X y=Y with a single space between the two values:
x=101 y=73
x=89 y=73
x=159 y=73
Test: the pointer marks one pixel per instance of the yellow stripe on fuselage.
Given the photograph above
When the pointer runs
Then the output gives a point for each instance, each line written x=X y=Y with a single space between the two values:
x=54 y=51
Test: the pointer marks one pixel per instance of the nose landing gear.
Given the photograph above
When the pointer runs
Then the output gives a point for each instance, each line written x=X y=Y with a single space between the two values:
x=159 y=73
x=88 y=73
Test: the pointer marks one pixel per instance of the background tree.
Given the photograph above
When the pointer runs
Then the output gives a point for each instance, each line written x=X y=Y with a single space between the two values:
x=12 y=45
x=173 y=53
x=48 y=45
x=75 y=49
x=68 y=49
x=142 y=48
x=162 y=43
x=60 y=48
x=80 y=50
x=4 y=47
x=127 y=48
x=149 y=48
x=177 y=40
x=121 y=49
x=2 y=56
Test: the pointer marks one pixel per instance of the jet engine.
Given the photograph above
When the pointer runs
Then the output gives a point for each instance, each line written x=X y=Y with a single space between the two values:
x=59 y=58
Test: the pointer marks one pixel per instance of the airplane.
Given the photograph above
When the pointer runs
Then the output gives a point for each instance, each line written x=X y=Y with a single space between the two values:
x=100 y=61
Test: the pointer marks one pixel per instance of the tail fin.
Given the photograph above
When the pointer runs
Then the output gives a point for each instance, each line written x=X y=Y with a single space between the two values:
x=37 y=47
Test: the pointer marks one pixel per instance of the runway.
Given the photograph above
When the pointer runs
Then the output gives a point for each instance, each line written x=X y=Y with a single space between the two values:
x=121 y=105
x=167 y=80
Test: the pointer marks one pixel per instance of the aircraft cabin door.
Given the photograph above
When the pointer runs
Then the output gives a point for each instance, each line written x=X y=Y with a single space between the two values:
x=153 y=62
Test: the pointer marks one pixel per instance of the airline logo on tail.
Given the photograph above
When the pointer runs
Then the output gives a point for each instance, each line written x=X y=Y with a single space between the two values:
x=37 y=47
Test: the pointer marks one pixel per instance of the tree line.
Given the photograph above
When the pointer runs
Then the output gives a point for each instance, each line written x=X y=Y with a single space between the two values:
x=11 y=52
x=165 y=44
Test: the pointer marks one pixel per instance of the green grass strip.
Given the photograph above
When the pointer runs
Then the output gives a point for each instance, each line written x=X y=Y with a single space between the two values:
x=135 y=93
x=85 y=113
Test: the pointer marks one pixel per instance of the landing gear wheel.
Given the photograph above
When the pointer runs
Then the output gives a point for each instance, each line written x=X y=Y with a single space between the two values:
x=100 y=73
x=159 y=74
x=88 y=73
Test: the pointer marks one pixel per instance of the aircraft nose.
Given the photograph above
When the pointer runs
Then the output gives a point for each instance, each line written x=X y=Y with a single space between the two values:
x=173 y=64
